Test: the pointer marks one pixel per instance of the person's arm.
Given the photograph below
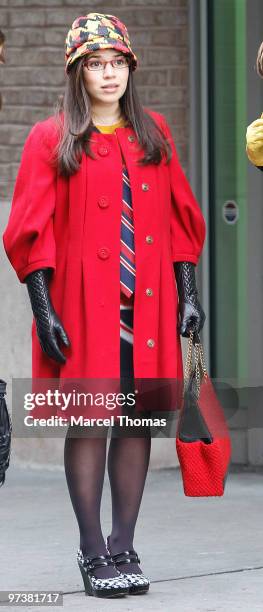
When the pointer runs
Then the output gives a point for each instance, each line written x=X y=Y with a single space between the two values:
x=48 y=324
x=188 y=231
x=254 y=142
x=29 y=237
x=187 y=222
x=192 y=316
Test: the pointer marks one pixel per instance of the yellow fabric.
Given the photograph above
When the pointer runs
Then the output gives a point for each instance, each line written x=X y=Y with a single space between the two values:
x=109 y=129
x=254 y=146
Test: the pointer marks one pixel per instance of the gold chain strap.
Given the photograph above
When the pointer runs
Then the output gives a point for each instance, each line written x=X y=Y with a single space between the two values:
x=199 y=362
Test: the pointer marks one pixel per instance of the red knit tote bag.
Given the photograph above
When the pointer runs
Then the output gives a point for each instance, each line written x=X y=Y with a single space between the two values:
x=203 y=442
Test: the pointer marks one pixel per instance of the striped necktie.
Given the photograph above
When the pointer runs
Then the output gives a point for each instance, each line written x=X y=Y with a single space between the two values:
x=127 y=251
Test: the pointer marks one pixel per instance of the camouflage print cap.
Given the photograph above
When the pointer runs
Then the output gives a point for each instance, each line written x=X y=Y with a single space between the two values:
x=97 y=31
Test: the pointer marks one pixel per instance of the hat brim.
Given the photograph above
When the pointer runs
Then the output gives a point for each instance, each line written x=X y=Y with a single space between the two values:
x=88 y=48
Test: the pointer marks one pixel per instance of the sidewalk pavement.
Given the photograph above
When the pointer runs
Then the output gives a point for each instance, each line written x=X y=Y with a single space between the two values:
x=201 y=554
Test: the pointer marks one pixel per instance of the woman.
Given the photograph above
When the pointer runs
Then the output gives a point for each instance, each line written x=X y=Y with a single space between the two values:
x=97 y=234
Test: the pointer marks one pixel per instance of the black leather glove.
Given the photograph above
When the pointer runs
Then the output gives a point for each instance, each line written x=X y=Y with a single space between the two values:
x=192 y=316
x=47 y=321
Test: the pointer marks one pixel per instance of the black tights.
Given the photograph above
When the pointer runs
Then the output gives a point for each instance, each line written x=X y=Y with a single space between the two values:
x=128 y=461
x=85 y=461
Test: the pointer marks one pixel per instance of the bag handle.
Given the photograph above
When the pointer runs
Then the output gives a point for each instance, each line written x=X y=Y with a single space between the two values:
x=199 y=362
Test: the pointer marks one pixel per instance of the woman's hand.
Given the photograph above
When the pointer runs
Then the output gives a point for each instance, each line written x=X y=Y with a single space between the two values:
x=48 y=323
x=192 y=316
x=254 y=146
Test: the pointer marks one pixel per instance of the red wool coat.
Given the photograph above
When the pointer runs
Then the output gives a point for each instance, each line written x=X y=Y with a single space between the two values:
x=73 y=226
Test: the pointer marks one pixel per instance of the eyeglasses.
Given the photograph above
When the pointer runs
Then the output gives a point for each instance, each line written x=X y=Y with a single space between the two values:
x=117 y=62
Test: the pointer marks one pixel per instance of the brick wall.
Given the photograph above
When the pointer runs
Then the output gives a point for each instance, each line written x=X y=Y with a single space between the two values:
x=33 y=75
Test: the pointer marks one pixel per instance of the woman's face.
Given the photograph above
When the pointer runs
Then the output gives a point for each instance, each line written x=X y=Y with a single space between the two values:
x=97 y=82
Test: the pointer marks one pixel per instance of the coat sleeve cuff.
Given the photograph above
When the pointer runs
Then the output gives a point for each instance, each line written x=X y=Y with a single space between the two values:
x=185 y=257
x=36 y=265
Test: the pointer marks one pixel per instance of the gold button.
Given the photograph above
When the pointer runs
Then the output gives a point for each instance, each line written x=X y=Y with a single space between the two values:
x=150 y=342
x=149 y=291
x=149 y=239
x=145 y=187
x=131 y=138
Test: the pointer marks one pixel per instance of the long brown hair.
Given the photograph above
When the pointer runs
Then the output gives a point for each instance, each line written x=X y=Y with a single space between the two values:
x=260 y=61
x=75 y=129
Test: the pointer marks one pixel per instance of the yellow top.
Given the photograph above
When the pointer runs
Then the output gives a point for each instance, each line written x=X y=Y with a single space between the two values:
x=109 y=129
x=254 y=144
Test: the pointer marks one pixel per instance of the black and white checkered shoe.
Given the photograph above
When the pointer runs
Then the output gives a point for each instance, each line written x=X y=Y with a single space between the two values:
x=100 y=587
x=138 y=583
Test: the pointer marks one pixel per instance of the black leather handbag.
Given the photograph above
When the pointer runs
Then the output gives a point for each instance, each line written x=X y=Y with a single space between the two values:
x=5 y=433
